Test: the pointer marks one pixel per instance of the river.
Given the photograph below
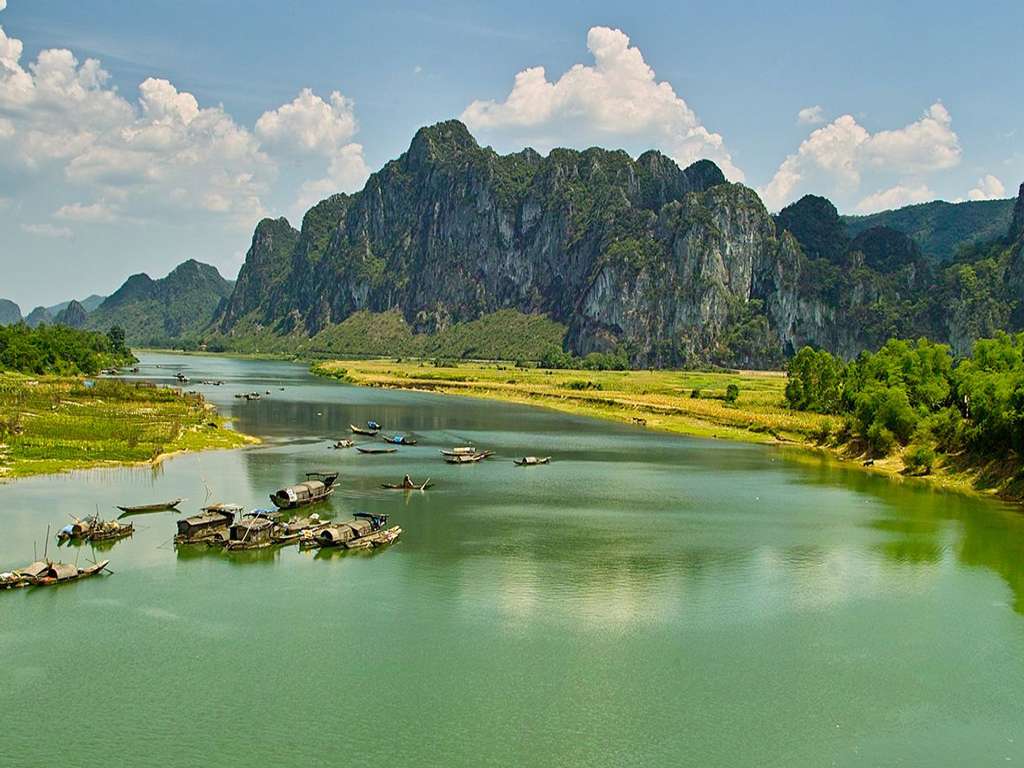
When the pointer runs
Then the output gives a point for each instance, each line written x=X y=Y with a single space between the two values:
x=644 y=600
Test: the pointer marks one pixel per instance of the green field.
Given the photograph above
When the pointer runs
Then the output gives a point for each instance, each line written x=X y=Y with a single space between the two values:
x=51 y=424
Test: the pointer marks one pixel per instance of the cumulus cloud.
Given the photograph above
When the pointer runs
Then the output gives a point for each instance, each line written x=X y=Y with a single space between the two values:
x=3 y=4
x=839 y=153
x=47 y=230
x=989 y=188
x=895 y=197
x=616 y=98
x=810 y=116
x=96 y=212
x=309 y=123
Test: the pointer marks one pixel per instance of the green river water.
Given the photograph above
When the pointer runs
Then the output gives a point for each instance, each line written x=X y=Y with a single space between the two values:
x=644 y=600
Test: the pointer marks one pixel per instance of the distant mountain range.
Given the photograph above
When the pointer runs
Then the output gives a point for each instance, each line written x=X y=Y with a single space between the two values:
x=453 y=249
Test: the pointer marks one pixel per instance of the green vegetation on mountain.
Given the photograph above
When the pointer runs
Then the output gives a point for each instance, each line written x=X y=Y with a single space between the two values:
x=941 y=229
x=59 y=349
x=158 y=312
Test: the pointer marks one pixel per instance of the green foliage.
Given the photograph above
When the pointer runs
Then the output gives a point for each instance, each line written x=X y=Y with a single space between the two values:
x=606 y=361
x=695 y=393
x=815 y=381
x=732 y=392
x=919 y=459
x=57 y=349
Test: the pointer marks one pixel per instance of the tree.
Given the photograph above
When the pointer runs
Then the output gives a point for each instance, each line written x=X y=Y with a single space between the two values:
x=731 y=393
x=117 y=341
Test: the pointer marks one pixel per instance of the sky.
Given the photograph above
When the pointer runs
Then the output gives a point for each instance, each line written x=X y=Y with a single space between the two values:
x=134 y=136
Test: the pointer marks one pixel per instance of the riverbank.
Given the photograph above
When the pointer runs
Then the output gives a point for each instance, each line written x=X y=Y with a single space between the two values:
x=58 y=424
x=682 y=402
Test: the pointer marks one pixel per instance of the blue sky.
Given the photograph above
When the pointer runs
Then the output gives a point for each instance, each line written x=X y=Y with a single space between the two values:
x=99 y=178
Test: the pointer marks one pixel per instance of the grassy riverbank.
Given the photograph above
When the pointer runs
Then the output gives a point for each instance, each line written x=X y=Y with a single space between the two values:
x=684 y=402
x=56 y=424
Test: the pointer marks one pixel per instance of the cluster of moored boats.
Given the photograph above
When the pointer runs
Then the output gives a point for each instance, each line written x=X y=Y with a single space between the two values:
x=466 y=454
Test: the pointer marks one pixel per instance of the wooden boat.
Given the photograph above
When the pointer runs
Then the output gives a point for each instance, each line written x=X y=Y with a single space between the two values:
x=253 y=531
x=318 y=486
x=461 y=451
x=371 y=424
x=23 y=577
x=375 y=540
x=293 y=530
x=360 y=431
x=375 y=449
x=341 y=534
x=345 y=443
x=60 y=573
x=532 y=461
x=468 y=458
x=210 y=526
x=407 y=485
x=398 y=439
x=92 y=528
x=158 y=507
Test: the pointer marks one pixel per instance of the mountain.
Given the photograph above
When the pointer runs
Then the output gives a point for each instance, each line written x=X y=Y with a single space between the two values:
x=669 y=266
x=38 y=316
x=10 y=313
x=158 y=311
x=942 y=228
x=73 y=316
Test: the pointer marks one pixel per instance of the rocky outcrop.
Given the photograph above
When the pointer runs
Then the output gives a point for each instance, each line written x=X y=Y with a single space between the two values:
x=73 y=316
x=10 y=313
x=37 y=317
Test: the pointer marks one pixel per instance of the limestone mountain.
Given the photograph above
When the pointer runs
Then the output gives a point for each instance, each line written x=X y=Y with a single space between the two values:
x=10 y=313
x=73 y=315
x=160 y=311
x=38 y=316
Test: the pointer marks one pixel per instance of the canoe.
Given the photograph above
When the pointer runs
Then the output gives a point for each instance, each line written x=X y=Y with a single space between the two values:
x=532 y=461
x=158 y=507
x=403 y=487
x=462 y=451
x=59 y=573
x=398 y=439
x=375 y=449
x=468 y=458
x=360 y=431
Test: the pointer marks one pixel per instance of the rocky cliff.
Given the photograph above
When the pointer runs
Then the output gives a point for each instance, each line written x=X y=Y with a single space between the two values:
x=73 y=315
x=10 y=313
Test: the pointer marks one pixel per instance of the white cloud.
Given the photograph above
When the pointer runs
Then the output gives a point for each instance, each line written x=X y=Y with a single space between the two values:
x=839 y=153
x=95 y=213
x=810 y=116
x=309 y=124
x=989 y=188
x=617 y=98
x=47 y=230
x=417 y=69
x=895 y=197
x=3 y=4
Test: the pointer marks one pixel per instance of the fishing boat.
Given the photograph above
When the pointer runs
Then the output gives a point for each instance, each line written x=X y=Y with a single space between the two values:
x=161 y=506
x=293 y=530
x=93 y=528
x=375 y=449
x=346 y=533
x=460 y=451
x=532 y=461
x=360 y=431
x=60 y=573
x=375 y=540
x=468 y=458
x=253 y=531
x=344 y=443
x=318 y=486
x=407 y=485
x=210 y=526
x=373 y=425
x=398 y=439
x=23 y=577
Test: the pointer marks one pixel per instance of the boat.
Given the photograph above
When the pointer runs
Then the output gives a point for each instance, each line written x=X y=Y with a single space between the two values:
x=532 y=461
x=158 y=507
x=293 y=530
x=373 y=425
x=345 y=443
x=407 y=485
x=23 y=577
x=92 y=528
x=59 y=573
x=360 y=431
x=252 y=531
x=375 y=540
x=346 y=533
x=318 y=486
x=210 y=526
x=460 y=451
x=398 y=439
x=252 y=396
x=375 y=449
x=468 y=458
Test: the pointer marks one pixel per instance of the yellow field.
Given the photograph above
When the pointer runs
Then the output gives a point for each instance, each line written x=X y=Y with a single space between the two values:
x=663 y=399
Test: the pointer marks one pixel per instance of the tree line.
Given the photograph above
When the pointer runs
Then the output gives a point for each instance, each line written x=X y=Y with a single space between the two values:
x=916 y=394
x=60 y=350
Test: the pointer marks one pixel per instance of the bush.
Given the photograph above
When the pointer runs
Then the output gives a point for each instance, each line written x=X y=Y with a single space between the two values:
x=731 y=393
x=823 y=432
x=919 y=459
x=695 y=393
x=881 y=440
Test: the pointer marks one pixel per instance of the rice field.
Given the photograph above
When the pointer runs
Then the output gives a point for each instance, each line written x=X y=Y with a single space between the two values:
x=686 y=402
x=57 y=424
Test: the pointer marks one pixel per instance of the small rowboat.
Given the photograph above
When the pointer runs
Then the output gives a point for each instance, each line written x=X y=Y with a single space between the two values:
x=462 y=451
x=375 y=449
x=468 y=458
x=159 y=507
x=360 y=431
x=532 y=461
x=407 y=485
x=58 y=573
x=398 y=439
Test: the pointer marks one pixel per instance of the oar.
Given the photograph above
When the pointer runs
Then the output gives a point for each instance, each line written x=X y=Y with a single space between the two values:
x=425 y=484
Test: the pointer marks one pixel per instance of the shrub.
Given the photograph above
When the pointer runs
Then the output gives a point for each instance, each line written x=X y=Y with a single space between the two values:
x=881 y=440
x=731 y=393
x=695 y=393
x=919 y=459
x=822 y=432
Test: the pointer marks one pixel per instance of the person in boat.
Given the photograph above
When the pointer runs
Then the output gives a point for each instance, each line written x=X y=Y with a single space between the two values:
x=407 y=482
